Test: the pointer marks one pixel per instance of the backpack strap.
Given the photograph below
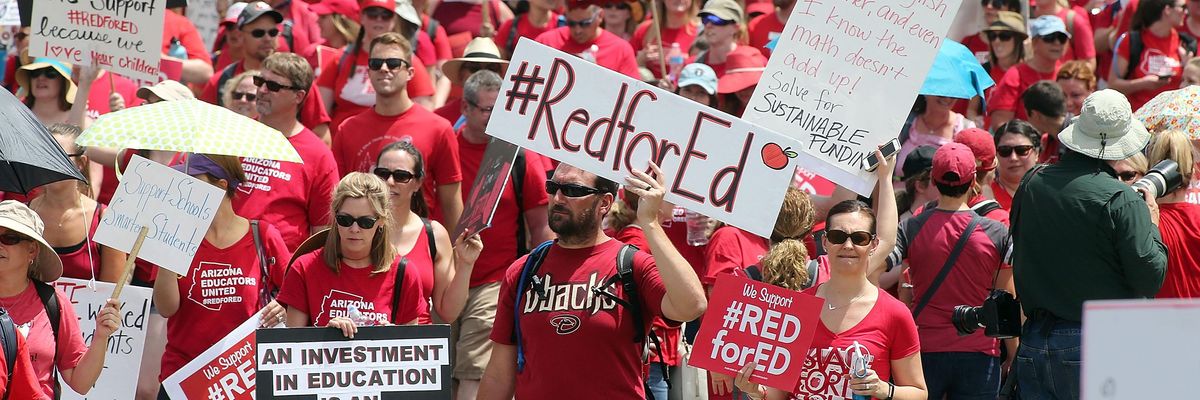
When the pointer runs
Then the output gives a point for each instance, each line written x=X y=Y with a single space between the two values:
x=1070 y=22
x=226 y=75
x=265 y=293
x=8 y=335
x=510 y=42
x=396 y=289
x=429 y=238
x=54 y=313
x=986 y=207
x=288 y=37
x=431 y=29
x=1135 y=52
x=527 y=280
x=950 y=261
x=629 y=285
x=518 y=185
x=754 y=273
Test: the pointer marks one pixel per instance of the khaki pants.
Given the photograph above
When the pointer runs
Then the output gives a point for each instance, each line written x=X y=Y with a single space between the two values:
x=471 y=333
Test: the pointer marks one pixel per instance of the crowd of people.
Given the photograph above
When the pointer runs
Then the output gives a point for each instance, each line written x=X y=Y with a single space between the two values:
x=387 y=103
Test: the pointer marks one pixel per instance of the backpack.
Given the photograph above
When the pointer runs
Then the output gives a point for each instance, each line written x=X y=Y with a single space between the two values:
x=981 y=209
x=8 y=335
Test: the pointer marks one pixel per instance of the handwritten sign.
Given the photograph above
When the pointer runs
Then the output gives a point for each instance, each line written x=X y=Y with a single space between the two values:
x=609 y=124
x=1160 y=365
x=10 y=14
x=224 y=371
x=753 y=322
x=396 y=361
x=176 y=207
x=119 y=377
x=488 y=186
x=843 y=76
x=121 y=36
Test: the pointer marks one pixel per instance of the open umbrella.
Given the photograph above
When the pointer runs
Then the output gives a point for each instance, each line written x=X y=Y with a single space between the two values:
x=956 y=73
x=1175 y=109
x=191 y=126
x=29 y=156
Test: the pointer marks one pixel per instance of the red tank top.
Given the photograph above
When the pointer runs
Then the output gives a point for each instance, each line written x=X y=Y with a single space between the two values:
x=420 y=263
x=83 y=262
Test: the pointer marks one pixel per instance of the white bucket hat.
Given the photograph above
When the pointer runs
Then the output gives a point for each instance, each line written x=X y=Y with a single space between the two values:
x=18 y=218
x=1105 y=128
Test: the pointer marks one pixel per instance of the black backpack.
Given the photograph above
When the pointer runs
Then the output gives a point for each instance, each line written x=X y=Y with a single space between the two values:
x=54 y=313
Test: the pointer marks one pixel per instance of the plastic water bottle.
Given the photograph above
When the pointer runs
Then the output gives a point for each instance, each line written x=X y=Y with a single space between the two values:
x=177 y=50
x=590 y=54
x=357 y=317
x=697 y=228
x=675 y=61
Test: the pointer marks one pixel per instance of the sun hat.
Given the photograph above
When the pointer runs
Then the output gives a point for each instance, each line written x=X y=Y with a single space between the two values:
x=63 y=69
x=982 y=145
x=406 y=11
x=728 y=10
x=479 y=50
x=1047 y=25
x=953 y=158
x=920 y=159
x=19 y=218
x=700 y=75
x=1105 y=128
x=256 y=10
x=1008 y=21
x=167 y=90
x=345 y=8
x=742 y=70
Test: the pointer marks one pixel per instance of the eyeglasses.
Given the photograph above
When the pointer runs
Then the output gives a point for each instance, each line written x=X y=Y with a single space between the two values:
x=392 y=63
x=243 y=95
x=709 y=19
x=378 y=13
x=1054 y=37
x=570 y=189
x=1129 y=176
x=20 y=35
x=272 y=86
x=1003 y=36
x=581 y=23
x=1022 y=150
x=48 y=73
x=617 y=5
x=11 y=239
x=398 y=175
x=477 y=107
x=859 y=238
x=347 y=220
x=259 y=33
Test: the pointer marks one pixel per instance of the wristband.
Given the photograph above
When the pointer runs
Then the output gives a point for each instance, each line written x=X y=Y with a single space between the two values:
x=891 y=391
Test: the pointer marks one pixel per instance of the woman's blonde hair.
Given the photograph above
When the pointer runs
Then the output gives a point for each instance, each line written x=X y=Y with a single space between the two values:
x=1138 y=162
x=785 y=265
x=345 y=27
x=230 y=85
x=359 y=185
x=623 y=213
x=1174 y=145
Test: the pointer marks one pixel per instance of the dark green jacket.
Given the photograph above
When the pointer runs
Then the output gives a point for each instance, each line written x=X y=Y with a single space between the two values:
x=1083 y=235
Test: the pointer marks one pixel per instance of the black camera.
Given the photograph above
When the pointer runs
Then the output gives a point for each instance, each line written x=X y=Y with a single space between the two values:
x=1162 y=179
x=999 y=316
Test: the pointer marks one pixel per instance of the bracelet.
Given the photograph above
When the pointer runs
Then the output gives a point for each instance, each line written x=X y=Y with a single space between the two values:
x=891 y=391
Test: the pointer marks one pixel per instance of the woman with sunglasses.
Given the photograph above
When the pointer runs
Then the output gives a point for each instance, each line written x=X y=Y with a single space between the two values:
x=979 y=43
x=1005 y=37
x=1018 y=146
x=48 y=90
x=621 y=17
x=1160 y=66
x=1179 y=219
x=681 y=24
x=241 y=94
x=725 y=32
x=443 y=272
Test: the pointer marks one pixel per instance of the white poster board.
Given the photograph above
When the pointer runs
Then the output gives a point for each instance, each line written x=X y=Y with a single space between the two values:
x=1139 y=349
x=843 y=77
x=121 y=36
x=176 y=207
x=10 y=15
x=604 y=122
x=118 y=380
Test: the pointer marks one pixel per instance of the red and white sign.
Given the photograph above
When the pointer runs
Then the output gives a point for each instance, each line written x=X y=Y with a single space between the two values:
x=225 y=371
x=121 y=36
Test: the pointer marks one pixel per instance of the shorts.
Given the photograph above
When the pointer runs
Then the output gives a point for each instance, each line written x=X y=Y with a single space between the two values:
x=471 y=333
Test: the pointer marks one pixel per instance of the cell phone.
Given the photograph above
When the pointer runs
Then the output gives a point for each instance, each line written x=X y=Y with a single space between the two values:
x=888 y=150
x=1165 y=77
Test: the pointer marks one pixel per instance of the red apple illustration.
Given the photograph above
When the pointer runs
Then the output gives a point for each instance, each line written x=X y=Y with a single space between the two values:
x=776 y=157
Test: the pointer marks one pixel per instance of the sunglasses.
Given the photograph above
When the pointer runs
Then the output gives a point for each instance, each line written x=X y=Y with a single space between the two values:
x=243 y=95
x=477 y=107
x=259 y=33
x=579 y=24
x=378 y=13
x=1022 y=150
x=1003 y=36
x=619 y=6
x=859 y=238
x=473 y=67
x=48 y=73
x=1128 y=176
x=347 y=220
x=709 y=19
x=570 y=189
x=399 y=175
x=272 y=86
x=392 y=63
x=11 y=239
x=1055 y=37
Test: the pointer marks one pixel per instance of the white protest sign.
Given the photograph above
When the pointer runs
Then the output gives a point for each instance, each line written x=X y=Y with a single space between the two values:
x=203 y=14
x=119 y=378
x=606 y=123
x=176 y=208
x=1139 y=349
x=10 y=14
x=843 y=78
x=224 y=371
x=122 y=36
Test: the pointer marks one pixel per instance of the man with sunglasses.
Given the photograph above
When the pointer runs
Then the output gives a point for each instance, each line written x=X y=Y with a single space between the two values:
x=957 y=367
x=584 y=32
x=1049 y=37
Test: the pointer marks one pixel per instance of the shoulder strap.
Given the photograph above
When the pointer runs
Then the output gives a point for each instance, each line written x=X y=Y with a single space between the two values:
x=814 y=269
x=941 y=276
x=1135 y=52
x=1015 y=213
x=226 y=75
x=510 y=43
x=429 y=238
x=629 y=285
x=8 y=335
x=396 y=289
x=265 y=293
x=431 y=29
x=754 y=273
x=518 y=185
x=985 y=207
x=54 y=314
x=1071 y=22
x=528 y=270
x=288 y=37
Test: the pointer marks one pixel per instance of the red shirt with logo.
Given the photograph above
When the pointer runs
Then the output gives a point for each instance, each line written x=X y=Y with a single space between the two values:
x=763 y=28
x=525 y=29
x=1006 y=96
x=314 y=289
x=293 y=197
x=352 y=91
x=32 y=322
x=730 y=248
x=612 y=52
x=568 y=328
x=1180 y=228
x=1160 y=56
x=668 y=334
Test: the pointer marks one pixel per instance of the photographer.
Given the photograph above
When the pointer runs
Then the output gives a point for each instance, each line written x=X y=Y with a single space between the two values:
x=1079 y=234
x=1180 y=220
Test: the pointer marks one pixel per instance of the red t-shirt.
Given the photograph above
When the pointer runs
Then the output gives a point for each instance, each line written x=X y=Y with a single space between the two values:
x=462 y=16
x=353 y=93
x=978 y=45
x=613 y=52
x=684 y=35
x=451 y=111
x=886 y=334
x=1082 y=45
x=501 y=238
x=98 y=98
x=314 y=289
x=720 y=68
x=763 y=28
x=24 y=384
x=573 y=329
x=1050 y=150
x=1001 y=196
x=1160 y=56
x=84 y=262
x=179 y=27
x=668 y=334
x=730 y=249
x=441 y=41
x=312 y=109
x=925 y=245
x=525 y=29
x=220 y=291
x=1180 y=228
x=29 y=315
x=306 y=32
x=362 y=137
x=294 y=197
x=1007 y=94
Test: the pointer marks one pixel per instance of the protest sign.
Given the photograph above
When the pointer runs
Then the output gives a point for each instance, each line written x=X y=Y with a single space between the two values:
x=1139 y=349
x=176 y=208
x=843 y=78
x=121 y=36
x=753 y=322
x=395 y=361
x=224 y=371
x=119 y=378
x=610 y=124
x=206 y=17
x=10 y=14
x=489 y=185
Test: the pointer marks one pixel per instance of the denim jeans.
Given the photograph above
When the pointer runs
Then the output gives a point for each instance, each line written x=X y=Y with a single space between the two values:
x=961 y=375
x=656 y=382
x=1048 y=360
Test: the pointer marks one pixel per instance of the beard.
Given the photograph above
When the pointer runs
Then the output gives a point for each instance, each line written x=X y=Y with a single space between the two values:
x=571 y=227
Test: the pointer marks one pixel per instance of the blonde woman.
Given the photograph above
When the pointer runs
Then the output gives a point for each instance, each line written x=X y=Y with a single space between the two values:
x=1179 y=220
x=241 y=95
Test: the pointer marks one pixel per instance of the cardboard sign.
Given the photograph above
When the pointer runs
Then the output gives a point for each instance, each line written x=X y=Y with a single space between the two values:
x=753 y=322
x=121 y=36
x=395 y=361
x=176 y=207
x=489 y=184
x=1160 y=364
x=843 y=76
x=224 y=371
x=609 y=124
x=119 y=378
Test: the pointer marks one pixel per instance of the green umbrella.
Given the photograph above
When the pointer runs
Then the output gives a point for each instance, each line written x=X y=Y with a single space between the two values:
x=188 y=126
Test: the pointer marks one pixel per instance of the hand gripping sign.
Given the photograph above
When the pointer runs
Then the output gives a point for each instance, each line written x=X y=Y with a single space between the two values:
x=606 y=123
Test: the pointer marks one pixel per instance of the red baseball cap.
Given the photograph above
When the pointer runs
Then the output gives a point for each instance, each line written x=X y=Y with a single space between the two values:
x=742 y=70
x=953 y=164
x=389 y=5
x=347 y=8
x=982 y=144
x=577 y=4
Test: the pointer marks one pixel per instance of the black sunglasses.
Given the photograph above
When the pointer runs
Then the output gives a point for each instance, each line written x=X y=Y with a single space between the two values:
x=570 y=189
x=378 y=13
x=618 y=5
x=392 y=63
x=473 y=67
x=859 y=238
x=1003 y=36
x=579 y=24
x=398 y=175
x=48 y=73
x=243 y=95
x=1128 y=176
x=259 y=33
x=1022 y=151
x=709 y=19
x=346 y=220
x=1055 y=37
x=11 y=239
x=272 y=86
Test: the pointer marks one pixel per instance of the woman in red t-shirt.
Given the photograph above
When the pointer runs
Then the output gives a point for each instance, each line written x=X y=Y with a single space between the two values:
x=1018 y=148
x=682 y=25
x=1179 y=220
x=1078 y=80
x=443 y=281
x=1160 y=66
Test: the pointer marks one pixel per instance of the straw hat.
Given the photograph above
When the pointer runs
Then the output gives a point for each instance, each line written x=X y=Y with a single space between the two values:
x=63 y=69
x=18 y=218
x=479 y=50
x=1105 y=128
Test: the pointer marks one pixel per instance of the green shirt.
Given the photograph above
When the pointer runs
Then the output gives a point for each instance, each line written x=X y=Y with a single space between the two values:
x=1083 y=235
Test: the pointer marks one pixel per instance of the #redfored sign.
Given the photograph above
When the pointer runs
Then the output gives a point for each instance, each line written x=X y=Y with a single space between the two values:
x=754 y=322
x=224 y=371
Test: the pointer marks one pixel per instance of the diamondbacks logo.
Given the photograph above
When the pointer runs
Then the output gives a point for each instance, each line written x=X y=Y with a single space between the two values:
x=565 y=324
x=542 y=296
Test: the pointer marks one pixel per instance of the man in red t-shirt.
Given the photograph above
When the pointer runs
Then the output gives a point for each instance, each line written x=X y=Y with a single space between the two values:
x=1049 y=37
x=538 y=20
x=394 y=118
x=769 y=26
x=955 y=366
x=584 y=36
x=294 y=197
x=555 y=334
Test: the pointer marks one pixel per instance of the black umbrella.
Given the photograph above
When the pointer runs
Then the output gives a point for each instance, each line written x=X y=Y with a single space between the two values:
x=26 y=9
x=29 y=156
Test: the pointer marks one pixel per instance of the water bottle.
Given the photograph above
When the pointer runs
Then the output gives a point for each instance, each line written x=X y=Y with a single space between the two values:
x=357 y=317
x=590 y=54
x=859 y=366
x=697 y=228
x=177 y=50
x=675 y=61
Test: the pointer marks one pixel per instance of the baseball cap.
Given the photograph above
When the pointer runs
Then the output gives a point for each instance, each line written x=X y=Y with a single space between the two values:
x=920 y=159
x=700 y=75
x=167 y=90
x=982 y=145
x=1046 y=25
x=232 y=13
x=728 y=10
x=346 y=8
x=389 y=5
x=256 y=10
x=953 y=164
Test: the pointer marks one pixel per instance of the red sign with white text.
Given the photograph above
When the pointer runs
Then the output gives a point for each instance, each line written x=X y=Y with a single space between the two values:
x=753 y=322
x=225 y=371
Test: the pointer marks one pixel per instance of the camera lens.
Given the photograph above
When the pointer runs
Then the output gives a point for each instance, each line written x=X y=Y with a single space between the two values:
x=966 y=319
x=1162 y=179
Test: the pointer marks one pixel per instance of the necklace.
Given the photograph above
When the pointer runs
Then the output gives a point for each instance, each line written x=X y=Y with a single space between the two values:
x=848 y=303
